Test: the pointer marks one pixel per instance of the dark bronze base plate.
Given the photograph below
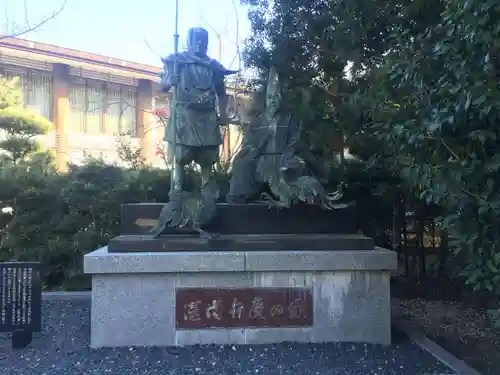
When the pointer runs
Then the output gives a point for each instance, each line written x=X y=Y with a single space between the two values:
x=252 y=218
x=247 y=242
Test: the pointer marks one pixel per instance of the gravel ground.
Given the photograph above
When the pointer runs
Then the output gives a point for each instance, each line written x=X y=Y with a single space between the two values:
x=62 y=349
x=462 y=330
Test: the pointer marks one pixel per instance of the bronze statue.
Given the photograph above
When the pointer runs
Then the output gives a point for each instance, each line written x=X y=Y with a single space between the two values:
x=196 y=135
x=193 y=133
x=268 y=156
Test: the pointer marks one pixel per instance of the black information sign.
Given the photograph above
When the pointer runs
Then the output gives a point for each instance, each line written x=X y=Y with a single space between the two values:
x=20 y=300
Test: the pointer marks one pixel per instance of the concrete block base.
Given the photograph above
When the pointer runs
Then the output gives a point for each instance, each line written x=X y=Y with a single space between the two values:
x=133 y=295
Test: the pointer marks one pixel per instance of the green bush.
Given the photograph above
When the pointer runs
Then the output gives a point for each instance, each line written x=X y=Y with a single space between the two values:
x=57 y=218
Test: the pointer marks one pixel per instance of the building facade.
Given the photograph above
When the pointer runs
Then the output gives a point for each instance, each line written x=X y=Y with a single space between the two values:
x=91 y=100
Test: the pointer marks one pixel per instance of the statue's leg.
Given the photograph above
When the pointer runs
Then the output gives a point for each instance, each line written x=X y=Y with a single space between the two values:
x=209 y=190
x=170 y=214
x=206 y=158
x=179 y=157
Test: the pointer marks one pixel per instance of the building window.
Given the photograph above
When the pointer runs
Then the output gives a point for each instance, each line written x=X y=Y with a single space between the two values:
x=78 y=106
x=129 y=121
x=114 y=110
x=37 y=90
x=121 y=110
x=87 y=102
x=91 y=100
x=95 y=108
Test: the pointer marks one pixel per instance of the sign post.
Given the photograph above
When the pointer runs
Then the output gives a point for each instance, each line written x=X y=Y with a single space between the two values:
x=20 y=301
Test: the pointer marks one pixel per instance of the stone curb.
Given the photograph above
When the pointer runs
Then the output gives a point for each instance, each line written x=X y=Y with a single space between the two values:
x=457 y=365
x=66 y=296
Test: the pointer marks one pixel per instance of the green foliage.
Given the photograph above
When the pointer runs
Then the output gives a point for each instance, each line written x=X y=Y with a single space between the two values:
x=18 y=124
x=436 y=109
x=131 y=156
x=58 y=218
x=10 y=95
x=420 y=102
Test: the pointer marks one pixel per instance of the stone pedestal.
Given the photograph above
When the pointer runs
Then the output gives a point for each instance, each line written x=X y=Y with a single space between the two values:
x=139 y=298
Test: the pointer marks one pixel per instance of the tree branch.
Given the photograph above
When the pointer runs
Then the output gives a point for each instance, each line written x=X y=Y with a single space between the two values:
x=30 y=27
x=152 y=49
x=219 y=37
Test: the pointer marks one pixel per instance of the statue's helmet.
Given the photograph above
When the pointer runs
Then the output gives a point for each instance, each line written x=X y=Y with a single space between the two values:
x=198 y=40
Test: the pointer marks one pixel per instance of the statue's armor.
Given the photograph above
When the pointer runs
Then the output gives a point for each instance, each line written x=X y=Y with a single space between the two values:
x=196 y=107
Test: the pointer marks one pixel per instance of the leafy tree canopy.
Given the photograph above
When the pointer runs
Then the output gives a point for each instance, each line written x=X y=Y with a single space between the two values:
x=420 y=99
